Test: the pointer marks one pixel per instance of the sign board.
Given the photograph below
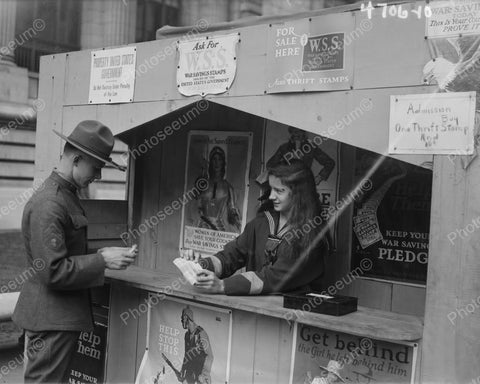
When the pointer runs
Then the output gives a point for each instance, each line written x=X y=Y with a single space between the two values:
x=216 y=189
x=187 y=342
x=207 y=65
x=322 y=356
x=436 y=123
x=453 y=18
x=311 y=54
x=112 y=75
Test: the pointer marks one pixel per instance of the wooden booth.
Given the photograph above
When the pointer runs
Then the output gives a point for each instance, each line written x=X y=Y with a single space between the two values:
x=399 y=192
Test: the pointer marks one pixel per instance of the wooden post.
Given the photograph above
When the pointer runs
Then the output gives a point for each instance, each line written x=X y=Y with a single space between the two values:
x=452 y=316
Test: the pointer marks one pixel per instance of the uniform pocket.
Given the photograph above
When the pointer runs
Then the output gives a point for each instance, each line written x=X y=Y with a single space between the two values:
x=79 y=221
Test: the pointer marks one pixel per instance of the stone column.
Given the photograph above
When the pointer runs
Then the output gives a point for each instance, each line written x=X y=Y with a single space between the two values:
x=8 y=10
x=13 y=79
x=107 y=23
x=120 y=19
x=212 y=11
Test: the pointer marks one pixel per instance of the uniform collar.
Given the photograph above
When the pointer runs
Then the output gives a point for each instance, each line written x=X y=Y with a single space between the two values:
x=60 y=180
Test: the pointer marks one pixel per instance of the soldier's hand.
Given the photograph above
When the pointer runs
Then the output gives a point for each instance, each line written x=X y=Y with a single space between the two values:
x=118 y=257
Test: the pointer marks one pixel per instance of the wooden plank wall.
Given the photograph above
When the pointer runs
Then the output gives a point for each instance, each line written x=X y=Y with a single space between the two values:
x=107 y=220
x=261 y=345
x=160 y=177
x=452 y=315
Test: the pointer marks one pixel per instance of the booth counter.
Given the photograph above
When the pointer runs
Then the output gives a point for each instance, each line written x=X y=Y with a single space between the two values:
x=396 y=210
x=264 y=335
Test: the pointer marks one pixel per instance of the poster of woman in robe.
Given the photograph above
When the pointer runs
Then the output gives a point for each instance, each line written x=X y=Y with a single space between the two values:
x=217 y=172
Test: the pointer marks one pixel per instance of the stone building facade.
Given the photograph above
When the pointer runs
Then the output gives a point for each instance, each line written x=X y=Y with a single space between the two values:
x=32 y=28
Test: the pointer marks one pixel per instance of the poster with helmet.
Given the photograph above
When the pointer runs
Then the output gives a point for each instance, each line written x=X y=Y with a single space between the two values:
x=216 y=189
x=187 y=343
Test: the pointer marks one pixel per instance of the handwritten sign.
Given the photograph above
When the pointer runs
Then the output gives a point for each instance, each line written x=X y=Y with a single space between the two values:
x=396 y=10
x=440 y=123
x=207 y=65
x=112 y=75
x=453 y=18
x=311 y=54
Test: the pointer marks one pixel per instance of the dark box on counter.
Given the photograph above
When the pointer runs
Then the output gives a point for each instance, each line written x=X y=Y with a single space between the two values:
x=335 y=305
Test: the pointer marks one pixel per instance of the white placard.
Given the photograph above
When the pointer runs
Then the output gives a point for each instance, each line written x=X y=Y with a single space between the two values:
x=112 y=75
x=207 y=65
x=452 y=18
x=437 y=123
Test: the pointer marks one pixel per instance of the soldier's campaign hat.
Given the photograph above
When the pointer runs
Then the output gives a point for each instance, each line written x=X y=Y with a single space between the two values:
x=93 y=138
x=334 y=367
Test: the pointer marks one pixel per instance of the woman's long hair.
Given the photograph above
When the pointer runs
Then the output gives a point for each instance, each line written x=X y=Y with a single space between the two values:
x=216 y=151
x=304 y=219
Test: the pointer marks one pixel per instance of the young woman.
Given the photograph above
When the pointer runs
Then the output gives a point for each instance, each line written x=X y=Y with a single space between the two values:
x=283 y=248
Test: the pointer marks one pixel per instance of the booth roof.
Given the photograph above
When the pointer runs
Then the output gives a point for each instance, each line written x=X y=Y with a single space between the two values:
x=168 y=31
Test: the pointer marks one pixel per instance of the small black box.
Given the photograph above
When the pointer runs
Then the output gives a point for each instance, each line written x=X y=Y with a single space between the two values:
x=335 y=305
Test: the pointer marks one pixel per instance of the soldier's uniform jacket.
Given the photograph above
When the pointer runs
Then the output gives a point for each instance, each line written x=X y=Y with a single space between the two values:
x=55 y=295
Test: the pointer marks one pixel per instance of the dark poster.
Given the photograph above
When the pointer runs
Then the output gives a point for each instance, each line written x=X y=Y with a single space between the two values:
x=88 y=361
x=391 y=221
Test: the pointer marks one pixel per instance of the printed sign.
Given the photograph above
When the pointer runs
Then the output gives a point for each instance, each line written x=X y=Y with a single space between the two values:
x=453 y=18
x=440 y=123
x=217 y=172
x=324 y=52
x=391 y=221
x=311 y=54
x=112 y=75
x=187 y=343
x=207 y=65
x=324 y=357
x=87 y=365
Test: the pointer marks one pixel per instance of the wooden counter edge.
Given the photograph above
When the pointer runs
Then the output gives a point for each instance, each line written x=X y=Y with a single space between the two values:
x=366 y=322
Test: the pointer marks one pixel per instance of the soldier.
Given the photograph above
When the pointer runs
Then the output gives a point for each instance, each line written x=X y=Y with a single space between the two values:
x=54 y=305
x=198 y=358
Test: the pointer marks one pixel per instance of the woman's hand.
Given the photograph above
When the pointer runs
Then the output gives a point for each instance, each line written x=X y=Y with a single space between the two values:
x=207 y=281
x=189 y=254
x=206 y=262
